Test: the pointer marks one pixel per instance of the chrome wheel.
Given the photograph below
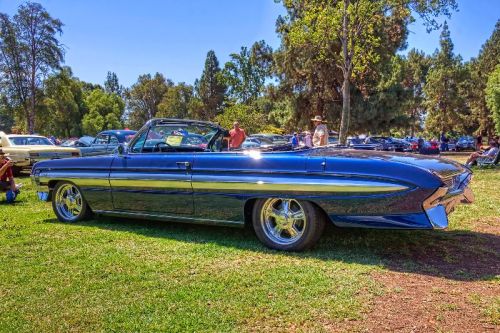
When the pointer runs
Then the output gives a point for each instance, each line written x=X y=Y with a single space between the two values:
x=68 y=202
x=283 y=220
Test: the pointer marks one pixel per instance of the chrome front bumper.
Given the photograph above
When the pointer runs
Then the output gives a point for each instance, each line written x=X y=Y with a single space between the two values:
x=443 y=201
x=42 y=191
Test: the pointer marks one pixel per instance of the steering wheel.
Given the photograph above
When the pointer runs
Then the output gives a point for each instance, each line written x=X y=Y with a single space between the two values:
x=157 y=146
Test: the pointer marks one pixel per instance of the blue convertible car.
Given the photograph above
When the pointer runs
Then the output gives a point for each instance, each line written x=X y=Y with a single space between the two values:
x=180 y=170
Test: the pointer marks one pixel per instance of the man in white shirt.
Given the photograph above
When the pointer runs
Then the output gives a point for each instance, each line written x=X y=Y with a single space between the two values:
x=320 y=137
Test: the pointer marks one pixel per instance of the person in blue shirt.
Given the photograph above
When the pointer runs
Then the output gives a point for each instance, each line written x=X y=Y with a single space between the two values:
x=295 y=140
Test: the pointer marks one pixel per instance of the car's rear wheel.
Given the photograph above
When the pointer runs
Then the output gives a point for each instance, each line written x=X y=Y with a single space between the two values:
x=287 y=224
x=69 y=204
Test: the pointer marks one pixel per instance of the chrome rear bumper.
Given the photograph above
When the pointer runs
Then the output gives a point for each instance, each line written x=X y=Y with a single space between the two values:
x=443 y=201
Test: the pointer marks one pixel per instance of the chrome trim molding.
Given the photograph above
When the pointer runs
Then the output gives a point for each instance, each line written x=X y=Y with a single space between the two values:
x=170 y=218
x=259 y=183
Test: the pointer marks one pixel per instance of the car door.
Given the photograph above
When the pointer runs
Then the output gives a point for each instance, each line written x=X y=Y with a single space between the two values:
x=155 y=183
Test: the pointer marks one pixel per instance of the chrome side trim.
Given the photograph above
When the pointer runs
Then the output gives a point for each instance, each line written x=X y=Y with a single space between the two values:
x=79 y=178
x=261 y=183
x=171 y=218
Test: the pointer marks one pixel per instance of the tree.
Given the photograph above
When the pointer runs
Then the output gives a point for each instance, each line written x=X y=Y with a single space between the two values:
x=415 y=68
x=176 y=102
x=493 y=96
x=248 y=118
x=211 y=88
x=105 y=112
x=64 y=103
x=480 y=70
x=14 y=83
x=6 y=115
x=246 y=73
x=444 y=89
x=330 y=45
x=111 y=85
x=30 y=51
x=144 y=97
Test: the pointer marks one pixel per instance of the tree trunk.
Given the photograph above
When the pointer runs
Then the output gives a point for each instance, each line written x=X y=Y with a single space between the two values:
x=346 y=69
x=31 y=114
x=27 y=114
x=346 y=108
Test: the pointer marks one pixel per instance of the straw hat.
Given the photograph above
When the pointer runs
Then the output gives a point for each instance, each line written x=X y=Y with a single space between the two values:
x=318 y=118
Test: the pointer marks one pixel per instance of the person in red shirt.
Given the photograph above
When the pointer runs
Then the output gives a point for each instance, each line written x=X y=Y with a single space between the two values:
x=237 y=136
x=6 y=175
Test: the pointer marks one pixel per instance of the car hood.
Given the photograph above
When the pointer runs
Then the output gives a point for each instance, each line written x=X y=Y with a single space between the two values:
x=41 y=148
x=444 y=168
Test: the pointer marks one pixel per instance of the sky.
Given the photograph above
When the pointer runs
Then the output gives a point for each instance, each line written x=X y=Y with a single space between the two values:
x=173 y=37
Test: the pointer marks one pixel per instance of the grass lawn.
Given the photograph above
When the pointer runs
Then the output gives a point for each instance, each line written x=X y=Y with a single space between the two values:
x=127 y=275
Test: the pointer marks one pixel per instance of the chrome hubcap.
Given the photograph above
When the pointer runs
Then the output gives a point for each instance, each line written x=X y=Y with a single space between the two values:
x=69 y=202
x=283 y=220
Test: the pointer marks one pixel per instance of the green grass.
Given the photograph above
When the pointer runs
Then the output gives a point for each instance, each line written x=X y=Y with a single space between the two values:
x=127 y=275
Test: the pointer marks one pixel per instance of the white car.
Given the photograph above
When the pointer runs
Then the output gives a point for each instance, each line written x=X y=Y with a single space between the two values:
x=26 y=149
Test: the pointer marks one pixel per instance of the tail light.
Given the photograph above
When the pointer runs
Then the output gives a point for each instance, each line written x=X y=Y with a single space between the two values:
x=75 y=154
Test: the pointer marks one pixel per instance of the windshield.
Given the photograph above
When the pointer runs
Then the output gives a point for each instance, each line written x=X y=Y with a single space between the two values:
x=174 y=137
x=30 y=141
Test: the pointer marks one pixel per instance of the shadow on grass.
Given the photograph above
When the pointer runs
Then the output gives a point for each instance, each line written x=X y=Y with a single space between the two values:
x=456 y=255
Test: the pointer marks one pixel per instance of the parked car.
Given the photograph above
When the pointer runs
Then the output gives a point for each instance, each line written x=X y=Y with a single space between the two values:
x=452 y=145
x=388 y=143
x=430 y=148
x=107 y=142
x=270 y=142
x=413 y=144
x=465 y=143
x=357 y=143
x=250 y=143
x=287 y=197
x=275 y=138
x=26 y=149
x=401 y=145
x=84 y=141
x=333 y=140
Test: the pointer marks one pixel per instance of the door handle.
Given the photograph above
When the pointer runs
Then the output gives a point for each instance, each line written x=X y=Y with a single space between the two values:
x=187 y=165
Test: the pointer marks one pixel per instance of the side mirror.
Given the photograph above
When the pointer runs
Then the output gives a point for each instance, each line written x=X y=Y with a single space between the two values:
x=122 y=149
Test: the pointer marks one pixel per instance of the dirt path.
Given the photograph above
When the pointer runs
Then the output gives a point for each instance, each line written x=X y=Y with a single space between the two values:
x=454 y=291
x=419 y=303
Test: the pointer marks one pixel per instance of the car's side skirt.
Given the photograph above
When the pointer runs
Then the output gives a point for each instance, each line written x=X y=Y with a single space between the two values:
x=395 y=221
x=170 y=218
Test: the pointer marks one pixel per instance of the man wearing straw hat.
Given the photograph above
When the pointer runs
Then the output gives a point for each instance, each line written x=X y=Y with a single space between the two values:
x=320 y=137
x=7 y=182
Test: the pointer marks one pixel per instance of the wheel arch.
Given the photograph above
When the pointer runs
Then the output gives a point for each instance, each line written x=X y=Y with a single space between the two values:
x=52 y=185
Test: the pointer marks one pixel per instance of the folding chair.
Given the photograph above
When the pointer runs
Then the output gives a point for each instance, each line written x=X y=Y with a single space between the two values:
x=483 y=161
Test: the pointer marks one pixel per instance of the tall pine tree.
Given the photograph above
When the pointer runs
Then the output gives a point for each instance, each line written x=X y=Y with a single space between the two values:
x=211 y=88
x=443 y=90
x=481 y=68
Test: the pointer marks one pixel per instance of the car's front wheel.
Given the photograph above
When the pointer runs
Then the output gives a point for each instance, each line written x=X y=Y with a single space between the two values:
x=287 y=224
x=68 y=203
